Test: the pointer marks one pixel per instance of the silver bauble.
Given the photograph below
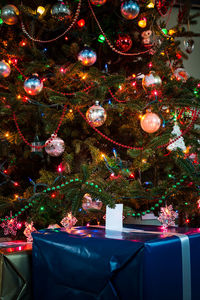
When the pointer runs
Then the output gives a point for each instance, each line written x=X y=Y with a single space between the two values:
x=9 y=14
x=87 y=57
x=4 y=69
x=189 y=46
x=56 y=147
x=130 y=9
x=60 y=11
x=151 y=80
x=33 y=85
x=181 y=74
x=96 y=115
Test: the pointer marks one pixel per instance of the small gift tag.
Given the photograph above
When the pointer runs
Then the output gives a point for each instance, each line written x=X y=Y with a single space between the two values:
x=114 y=218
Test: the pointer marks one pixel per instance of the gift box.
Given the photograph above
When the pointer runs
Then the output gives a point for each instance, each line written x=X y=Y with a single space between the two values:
x=141 y=263
x=15 y=270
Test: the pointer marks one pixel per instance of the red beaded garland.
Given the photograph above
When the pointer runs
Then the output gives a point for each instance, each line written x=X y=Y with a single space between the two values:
x=124 y=42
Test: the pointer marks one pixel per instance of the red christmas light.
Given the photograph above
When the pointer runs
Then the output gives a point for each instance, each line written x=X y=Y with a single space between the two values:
x=187 y=221
x=150 y=65
x=16 y=183
x=5 y=171
x=178 y=55
x=132 y=175
x=53 y=195
x=60 y=168
x=81 y=23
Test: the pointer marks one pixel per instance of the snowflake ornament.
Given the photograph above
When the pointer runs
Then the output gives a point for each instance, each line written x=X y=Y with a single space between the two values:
x=69 y=221
x=10 y=226
x=167 y=216
x=28 y=230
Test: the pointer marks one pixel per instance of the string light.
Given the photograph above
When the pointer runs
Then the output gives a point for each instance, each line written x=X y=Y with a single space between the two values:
x=151 y=4
x=40 y=10
x=101 y=38
x=81 y=23
x=142 y=22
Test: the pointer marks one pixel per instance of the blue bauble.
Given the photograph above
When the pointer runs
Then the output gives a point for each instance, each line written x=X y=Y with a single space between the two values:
x=130 y=9
x=87 y=57
x=33 y=85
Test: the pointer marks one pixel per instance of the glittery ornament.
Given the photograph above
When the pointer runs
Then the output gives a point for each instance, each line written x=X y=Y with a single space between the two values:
x=96 y=115
x=130 y=9
x=124 y=42
x=56 y=147
x=98 y=2
x=151 y=80
x=60 y=11
x=189 y=46
x=146 y=37
x=150 y=122
x=91 y=204
x=53 y=226
x=87 y=57
x=35 y=144
x=10 y=226
x=167 y=216
x=180 y=142
x=33 y=85
x=4 y=69
x=181 y=75
x=9 y=14
x=69 y=221
x=28 y=230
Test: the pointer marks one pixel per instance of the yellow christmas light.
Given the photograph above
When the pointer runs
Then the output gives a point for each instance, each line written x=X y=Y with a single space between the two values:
x=40 y=10
x=7 y=134
x=151 y=4
x=142 y=23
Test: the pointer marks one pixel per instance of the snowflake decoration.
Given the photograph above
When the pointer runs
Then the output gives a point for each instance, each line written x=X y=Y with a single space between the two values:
x=167 y=216
x=28 y=230
x=69 y=221
x=10 y=226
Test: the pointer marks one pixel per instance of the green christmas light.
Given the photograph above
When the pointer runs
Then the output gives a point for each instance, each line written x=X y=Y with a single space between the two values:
x=101 y=38
x=1 y=21
x=42 y=208
x=164 y=30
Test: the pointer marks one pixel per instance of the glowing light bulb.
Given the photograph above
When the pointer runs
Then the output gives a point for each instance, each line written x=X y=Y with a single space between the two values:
x=40 y=10
x=81 y=23
x=142 y=23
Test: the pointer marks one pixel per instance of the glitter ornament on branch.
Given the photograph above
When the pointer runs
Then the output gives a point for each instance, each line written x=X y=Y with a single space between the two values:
x=69 y=221
x=60 y=11
x=89 y=204
x=150 y=122
x=9 y=14
x=130 y=9
x=96 y=115
x=146 y=37
x=56 y=147
x=10 y=226
x=151 y=80
x=124 y=42
x=189 y=46
x=181 y=75
x=98 y=2
x=4 y=69
x=87 y=57
x=33 y=85
x=167 y=216
x=180 y=142
x=28 y=230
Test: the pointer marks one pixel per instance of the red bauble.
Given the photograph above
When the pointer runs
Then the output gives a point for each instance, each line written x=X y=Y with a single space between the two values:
x=98 y=2
x=124 y=42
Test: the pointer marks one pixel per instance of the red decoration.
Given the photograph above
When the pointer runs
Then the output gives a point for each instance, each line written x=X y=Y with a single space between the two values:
x=124 y=42
x=81 y=23
x=98 y=2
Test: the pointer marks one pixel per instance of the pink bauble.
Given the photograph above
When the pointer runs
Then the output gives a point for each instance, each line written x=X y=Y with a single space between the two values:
x=150 y=122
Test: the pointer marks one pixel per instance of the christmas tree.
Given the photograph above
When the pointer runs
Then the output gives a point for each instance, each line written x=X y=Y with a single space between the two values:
x=90 y=94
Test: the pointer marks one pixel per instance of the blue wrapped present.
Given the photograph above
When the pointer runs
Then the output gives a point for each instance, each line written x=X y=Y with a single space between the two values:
x=141 y=263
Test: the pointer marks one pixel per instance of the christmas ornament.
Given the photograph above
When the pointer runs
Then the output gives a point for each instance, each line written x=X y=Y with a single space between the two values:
x=150 y=122
x=130 y=9
x=180 y=142
x=198 y=203
x=4 y=69
x=124 y=42
x=167 y=216
x=9 y=14
x=96 y=115
x=60 y=11
x=69 y=221
x=98 y=2
x=181 y=75
x=87 y=57
x=56 y=147
x=10 y=226
x=146 y=35
x=33 y=85
x=35 y=144
x=151 y=80
x=189 y=46
x=89 y=204
x=28 y=230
